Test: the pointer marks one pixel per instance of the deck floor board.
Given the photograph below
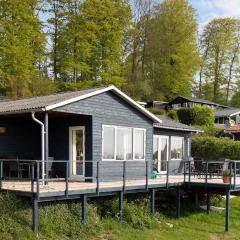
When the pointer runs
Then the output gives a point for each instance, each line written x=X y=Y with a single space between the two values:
x=60 y=186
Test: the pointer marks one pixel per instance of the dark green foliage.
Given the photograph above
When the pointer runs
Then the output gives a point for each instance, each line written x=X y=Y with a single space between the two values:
x=173 y=115
x=198 y=115
x=212 y=132
x=157 y=111
x=184 y=115
x=213 y=148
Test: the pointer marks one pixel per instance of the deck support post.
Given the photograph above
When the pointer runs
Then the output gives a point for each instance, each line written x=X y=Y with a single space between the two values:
x=196 y=199
x=46 y=145
x=153 y=191
x=227 y=216
x=84 y=208
x=208 y=201
x=35 y=215
x=120 y=204
x=178 y=202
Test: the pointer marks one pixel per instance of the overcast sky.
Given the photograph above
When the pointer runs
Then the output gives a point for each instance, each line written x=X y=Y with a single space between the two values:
x=209 y=9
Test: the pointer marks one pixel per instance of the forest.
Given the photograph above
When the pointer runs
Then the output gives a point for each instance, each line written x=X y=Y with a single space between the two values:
x=153 y=50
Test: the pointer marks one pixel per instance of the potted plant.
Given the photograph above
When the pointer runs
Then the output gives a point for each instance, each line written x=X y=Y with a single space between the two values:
x=226 y=176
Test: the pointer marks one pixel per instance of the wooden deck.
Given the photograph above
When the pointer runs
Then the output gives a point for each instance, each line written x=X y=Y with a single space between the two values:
x=57 y=188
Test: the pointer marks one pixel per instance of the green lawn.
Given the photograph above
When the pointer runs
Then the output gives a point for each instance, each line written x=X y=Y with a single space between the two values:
x=62 y=221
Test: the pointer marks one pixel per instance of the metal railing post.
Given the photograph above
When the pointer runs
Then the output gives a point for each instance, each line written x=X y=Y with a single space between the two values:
x=98 y=178
x=184 y=171
x=189 y=172
x=124 y=175
x=230 y=173
x=1 y=174
x=38 y=187
x=206 y=173
x=66 y=178
x=147 y=175
x=167 y=174
x=32 y=177
x=234 y=174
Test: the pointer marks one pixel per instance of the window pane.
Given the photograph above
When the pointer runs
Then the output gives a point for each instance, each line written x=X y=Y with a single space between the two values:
x=164 y=156
x=108 y=142
x=124 y=144
x=155 y=153
x=139 y=144
x=177 y=148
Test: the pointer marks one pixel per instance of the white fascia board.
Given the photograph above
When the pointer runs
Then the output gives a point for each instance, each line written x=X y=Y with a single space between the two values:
x=117 y=91
x=75 y=99
x=179 y=129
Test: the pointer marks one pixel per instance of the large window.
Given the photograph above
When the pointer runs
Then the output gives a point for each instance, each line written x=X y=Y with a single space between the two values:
x=123 y=143
x=177 y=148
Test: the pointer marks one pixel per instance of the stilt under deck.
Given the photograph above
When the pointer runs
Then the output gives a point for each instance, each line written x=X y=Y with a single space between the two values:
x=66 y=188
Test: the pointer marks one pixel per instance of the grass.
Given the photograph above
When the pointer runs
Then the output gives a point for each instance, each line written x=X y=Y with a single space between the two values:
x=63 y=221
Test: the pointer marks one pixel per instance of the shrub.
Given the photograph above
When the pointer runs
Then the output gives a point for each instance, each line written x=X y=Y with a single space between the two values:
x=212 y=148
x=184 y=115
x=157 y=111
x=202 y=116
x=212 y=131
x=198 y=115
x=173 y=115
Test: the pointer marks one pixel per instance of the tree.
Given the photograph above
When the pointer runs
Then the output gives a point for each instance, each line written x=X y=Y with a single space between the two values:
x=220 y=47
x=172 y=57
x=90 y=36
x=22 y=46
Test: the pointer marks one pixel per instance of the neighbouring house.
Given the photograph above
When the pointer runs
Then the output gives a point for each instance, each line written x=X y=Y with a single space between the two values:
x=227 y=117
x=156 y=104
x=188 y=102
x=234 y=131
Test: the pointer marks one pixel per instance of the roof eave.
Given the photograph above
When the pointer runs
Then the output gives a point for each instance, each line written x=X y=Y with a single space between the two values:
x=180 y=129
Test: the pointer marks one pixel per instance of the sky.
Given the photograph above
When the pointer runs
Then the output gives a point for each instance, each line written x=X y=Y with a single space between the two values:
x=210 y=9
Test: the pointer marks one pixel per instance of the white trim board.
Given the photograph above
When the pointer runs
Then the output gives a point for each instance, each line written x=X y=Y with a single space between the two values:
x=109 y=88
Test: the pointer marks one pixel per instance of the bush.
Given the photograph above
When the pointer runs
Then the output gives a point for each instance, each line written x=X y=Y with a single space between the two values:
x=198 y=115
x=212 y=132
x=173 y=115
x=157 y=111
x=213 y=148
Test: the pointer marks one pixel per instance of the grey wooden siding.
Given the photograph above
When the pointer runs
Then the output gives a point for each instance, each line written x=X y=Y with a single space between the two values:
x=109 y=109
x=175 y=166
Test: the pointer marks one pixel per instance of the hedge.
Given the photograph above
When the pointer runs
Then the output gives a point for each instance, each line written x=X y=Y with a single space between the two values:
x=198 y=115
x=213 y=148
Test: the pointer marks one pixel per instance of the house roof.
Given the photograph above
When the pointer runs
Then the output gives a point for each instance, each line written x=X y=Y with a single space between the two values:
x=234 y=129
x=227 y=112
x=51 y=102
x=174 y=125
x=197 y=100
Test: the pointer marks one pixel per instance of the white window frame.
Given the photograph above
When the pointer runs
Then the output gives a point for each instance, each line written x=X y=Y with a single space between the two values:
x=115 y=145
x=144 y=144
x=177 y=137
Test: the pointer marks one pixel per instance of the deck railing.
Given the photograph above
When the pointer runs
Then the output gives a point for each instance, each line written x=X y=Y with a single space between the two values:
x=176 y=172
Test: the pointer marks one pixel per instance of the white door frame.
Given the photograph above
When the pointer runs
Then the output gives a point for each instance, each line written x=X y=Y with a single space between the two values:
x=71 y=129
x=159 y=137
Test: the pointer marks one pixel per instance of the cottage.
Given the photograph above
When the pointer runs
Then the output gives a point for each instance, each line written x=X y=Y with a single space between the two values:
x=188 y=102
x=93 y=143
x=84 y=127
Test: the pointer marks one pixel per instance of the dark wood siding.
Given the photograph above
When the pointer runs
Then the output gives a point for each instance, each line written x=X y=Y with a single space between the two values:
x=109 y=109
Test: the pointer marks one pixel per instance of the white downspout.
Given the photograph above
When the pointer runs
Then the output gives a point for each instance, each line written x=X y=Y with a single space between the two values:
x=43 y=144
